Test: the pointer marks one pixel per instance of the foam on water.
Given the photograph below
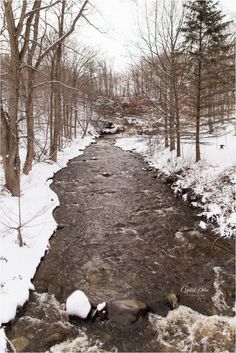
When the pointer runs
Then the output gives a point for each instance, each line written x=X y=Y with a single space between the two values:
x=81 y=344
x=218 y=298
x=185 y=330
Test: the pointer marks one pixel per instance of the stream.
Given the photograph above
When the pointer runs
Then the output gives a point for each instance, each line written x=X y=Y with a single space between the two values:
x=123 y=234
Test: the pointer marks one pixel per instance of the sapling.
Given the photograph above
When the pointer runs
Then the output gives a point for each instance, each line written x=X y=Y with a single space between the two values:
x=19 y=228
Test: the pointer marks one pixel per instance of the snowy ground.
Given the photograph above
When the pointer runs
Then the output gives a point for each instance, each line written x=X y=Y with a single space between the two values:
x=209 y=184
x=36 y=205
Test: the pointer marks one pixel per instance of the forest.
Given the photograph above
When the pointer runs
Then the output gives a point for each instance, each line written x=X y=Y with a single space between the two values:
x=50 y=84
x=64 y=103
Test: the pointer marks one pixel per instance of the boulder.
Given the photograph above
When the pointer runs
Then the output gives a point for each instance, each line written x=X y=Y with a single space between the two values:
x=106 y=174
x=20 y=343
x=126 y=311
x=107 y=125
x=55 y=333
x=171 y=179
x=102 y=311
x=164 y=305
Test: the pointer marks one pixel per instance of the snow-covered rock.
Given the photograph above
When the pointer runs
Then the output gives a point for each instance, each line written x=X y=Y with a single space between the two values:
x=203 y=225
x=77 y=304
x=106 y=174
x=101 y=306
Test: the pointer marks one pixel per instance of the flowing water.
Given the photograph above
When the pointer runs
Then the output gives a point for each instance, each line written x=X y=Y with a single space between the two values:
x=125 y=235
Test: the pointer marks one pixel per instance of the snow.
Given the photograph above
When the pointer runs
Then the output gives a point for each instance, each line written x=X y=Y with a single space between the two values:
x=37 y=202
x=232 y=219
x=78 y=304
x=203 y=225
x=3 y=341
x=212 y=180
x=101 y=306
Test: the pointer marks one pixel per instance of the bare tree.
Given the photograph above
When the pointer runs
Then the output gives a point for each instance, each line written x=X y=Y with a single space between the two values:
x=163 y=65
x=22 y=25
x=29 y=106
x=12 y=159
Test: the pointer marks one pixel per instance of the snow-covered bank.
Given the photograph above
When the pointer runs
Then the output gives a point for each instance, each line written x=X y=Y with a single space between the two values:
x=36 y=205
x=209 y=184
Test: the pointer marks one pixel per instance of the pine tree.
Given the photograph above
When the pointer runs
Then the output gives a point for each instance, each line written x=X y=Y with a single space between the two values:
x=207 y=43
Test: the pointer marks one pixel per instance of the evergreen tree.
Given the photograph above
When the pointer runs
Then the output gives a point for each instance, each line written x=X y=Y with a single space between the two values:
x=207 y=43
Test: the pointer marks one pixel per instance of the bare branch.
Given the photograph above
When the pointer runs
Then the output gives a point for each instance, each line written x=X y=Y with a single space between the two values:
x=64 y=36
x=59 y=82
x=21 y=20
x=29 y=13
x=91 y=24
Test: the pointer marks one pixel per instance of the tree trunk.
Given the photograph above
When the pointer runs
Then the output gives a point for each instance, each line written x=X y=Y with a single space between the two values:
x=172 y=133
x=5 y=133
x=198 y=153
x=65 y=119
x=75 y=121
x=30 y=89
x=57 y=92
x=57 y=122
x=11 y=161
x=166 y=122
x=30 y=124
x=177 y=119
x=198 y=105
x=210 y=125
x=51 y=110
x=70 y=122
x=178 y=145
x=198 y=110
x=166 y=132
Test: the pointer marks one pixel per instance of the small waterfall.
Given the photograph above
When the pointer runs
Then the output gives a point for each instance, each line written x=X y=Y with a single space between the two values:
x=186 y=330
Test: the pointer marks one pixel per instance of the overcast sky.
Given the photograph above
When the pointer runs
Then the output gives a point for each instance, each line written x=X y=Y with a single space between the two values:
x=118 y=24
